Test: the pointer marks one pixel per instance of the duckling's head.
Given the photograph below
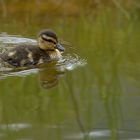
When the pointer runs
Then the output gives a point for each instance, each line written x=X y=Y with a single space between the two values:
x=48 y=41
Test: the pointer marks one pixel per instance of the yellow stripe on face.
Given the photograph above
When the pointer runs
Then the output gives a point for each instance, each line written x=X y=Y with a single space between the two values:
x=49 y=38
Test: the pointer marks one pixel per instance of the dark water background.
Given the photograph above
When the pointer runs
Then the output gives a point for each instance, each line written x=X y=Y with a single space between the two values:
x=100 y=100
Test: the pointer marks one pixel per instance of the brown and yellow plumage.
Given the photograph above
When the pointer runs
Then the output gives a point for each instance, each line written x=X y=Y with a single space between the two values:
x=25 y=55
x=47 y=49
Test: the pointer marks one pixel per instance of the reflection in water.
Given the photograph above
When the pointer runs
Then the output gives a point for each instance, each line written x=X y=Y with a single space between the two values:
x=49 y=73
x=105 y=135
x=14 y=127
x=77 y=112
x=97 y=102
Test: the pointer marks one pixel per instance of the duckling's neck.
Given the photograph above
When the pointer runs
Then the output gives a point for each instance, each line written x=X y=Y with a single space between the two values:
x=54 y=54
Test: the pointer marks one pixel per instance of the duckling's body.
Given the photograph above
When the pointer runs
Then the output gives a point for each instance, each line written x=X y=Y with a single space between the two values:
x=25 y=55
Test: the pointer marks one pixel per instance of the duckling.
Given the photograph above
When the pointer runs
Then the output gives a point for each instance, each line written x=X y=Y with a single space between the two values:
x=48 y=49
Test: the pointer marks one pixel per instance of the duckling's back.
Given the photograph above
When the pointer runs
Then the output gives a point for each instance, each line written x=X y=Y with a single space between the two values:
x=25 y=55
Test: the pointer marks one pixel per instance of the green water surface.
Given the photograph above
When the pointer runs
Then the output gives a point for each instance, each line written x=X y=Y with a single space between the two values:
x=100 y=100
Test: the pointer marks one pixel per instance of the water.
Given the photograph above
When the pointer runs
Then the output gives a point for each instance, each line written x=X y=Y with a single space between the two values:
x=92 y=93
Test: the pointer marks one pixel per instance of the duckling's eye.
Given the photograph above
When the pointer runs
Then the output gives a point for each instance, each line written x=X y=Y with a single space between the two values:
x=49 y=40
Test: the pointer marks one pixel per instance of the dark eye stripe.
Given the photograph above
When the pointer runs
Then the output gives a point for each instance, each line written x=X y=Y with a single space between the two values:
x=49 y=40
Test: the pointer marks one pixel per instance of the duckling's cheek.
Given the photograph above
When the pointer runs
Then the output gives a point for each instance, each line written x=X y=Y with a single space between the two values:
x=12 y=53
x=50 y=45
x=58 y=53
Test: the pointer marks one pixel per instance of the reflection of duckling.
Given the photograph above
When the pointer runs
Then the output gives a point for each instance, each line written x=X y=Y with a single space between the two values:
x=48 y=48
x=49 y=75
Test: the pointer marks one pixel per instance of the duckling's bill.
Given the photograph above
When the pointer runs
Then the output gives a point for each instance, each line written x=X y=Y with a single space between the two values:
x=60 y=47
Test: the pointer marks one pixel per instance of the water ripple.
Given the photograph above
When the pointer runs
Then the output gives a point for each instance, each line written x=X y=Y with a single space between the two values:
x=68 y=62
x=71 y=61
